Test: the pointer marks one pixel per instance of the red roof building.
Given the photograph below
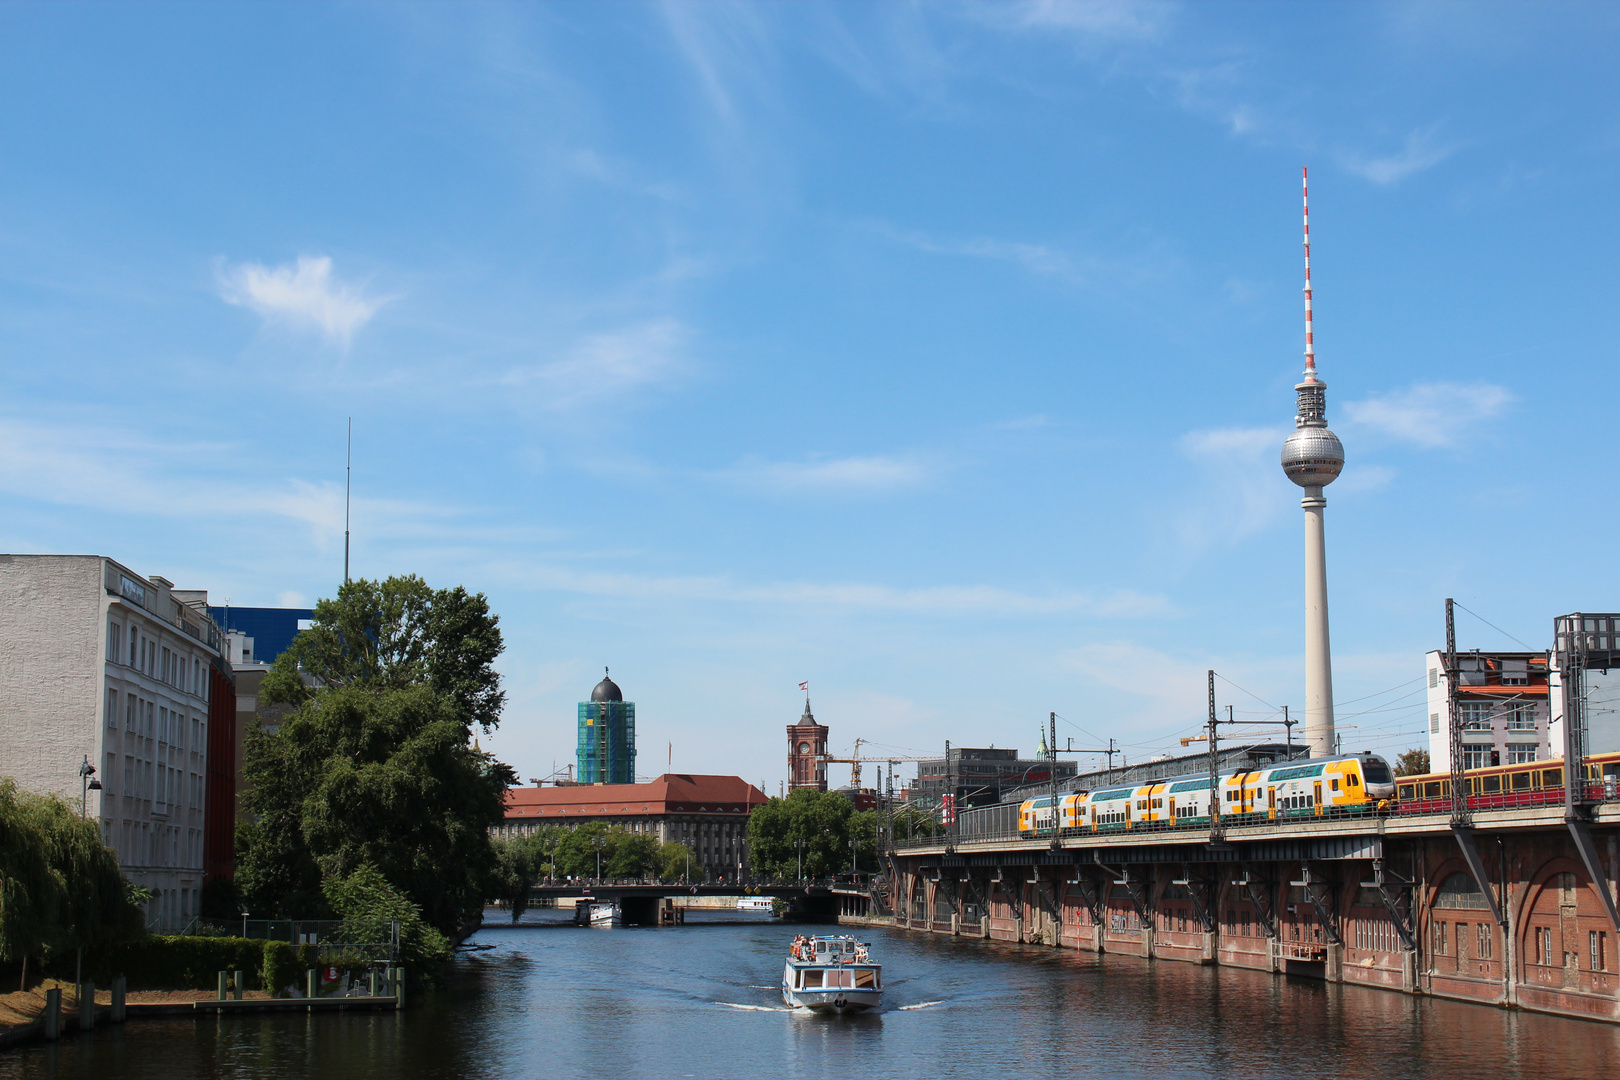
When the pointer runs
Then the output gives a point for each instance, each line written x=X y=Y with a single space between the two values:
x=709 y=814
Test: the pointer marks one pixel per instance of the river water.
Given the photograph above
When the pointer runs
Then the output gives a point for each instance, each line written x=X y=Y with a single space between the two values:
x=553 y=1000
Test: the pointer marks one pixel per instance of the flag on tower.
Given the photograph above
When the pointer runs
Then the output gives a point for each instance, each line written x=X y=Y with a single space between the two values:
x=805 y=687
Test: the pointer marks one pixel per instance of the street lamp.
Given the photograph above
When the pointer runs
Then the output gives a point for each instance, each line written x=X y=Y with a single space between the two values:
x=244 y=920
x=799 y=844
x=86 y=785
x=599 y=841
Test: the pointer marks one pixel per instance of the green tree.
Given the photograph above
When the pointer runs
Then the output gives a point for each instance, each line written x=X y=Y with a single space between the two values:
x=624 y=854
x=1412 y=763
x=811 y=823
x=366 y=774
x=675 y=861
x=396 y=634
x=369 y=905
x=60 y=886
x=517 y=867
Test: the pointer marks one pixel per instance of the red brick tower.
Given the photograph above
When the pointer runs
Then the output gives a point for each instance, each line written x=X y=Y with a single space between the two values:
x=807 y=745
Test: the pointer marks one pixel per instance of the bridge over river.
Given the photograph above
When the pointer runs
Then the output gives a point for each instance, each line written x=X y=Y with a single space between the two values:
x=645 y=902
x=1513 y=907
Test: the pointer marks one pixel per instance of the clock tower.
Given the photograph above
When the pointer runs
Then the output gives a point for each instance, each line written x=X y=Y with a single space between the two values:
x=807 y=746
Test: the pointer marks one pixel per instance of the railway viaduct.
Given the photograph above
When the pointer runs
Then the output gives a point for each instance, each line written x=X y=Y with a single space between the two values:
x=1516 y=910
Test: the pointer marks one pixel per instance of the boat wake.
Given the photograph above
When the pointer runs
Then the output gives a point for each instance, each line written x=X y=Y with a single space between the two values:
x=752 y=1008
x=921 y=1005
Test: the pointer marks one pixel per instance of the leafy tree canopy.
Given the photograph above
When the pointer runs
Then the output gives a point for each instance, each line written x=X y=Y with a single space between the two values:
x=362 y=774
x=814 y=824
x=370 y=906
x=395 y=634
x=1412 y=763
x=60 y=886
x=625 y=854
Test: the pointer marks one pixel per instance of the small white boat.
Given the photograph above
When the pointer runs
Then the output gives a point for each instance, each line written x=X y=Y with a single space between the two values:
x=831 y=974
x=591 y=913
x=755 y=903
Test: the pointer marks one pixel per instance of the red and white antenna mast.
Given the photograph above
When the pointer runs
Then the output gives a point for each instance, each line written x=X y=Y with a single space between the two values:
x=1310 y=344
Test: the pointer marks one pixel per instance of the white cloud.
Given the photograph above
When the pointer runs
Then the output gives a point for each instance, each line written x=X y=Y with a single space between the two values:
x=1241 y=485
x=303 y=295
x=606 y=365
x=1430 y=414
x=123 y=473
x=1092 y=18
x=849 y=474
x=1042 y=259
x=1422 y=150
x=945 y=600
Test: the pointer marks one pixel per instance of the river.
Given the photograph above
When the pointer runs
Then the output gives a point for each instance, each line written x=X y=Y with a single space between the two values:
x=553 y=1000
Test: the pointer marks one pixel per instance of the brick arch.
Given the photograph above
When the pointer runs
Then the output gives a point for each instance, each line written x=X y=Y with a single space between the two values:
x=1454 y=865
x=1539 y=885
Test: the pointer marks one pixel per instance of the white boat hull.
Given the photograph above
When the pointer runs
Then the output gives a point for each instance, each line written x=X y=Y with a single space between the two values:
x=837 y=1000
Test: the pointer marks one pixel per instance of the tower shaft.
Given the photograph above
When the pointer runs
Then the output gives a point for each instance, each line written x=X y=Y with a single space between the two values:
x=1318 y=651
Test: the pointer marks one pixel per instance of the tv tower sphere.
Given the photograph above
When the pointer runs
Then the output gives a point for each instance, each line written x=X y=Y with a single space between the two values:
x=1312 y=456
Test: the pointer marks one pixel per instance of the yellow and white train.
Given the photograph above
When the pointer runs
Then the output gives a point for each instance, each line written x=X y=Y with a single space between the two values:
x=1291 y=789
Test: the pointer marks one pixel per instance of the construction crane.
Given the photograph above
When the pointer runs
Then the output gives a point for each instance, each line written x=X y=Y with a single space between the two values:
x=854 y=762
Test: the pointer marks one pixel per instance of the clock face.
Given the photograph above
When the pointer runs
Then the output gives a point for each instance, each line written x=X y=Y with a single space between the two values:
x=804 y=748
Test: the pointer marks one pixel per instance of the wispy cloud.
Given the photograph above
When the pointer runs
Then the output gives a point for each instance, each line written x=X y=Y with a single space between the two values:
x=847 y=474
x=1091 y=18
x=302 y=295
x=122 y=472
x=1430 y=414
x=931 y=600
x=606 y=365
x=1422 y=149
x=1042 y=259
x=1241 y=484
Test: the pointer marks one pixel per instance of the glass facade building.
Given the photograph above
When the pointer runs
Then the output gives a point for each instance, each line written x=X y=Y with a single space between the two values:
x=606 y=751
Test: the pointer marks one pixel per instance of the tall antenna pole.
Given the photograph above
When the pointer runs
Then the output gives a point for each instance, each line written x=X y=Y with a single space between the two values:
x=348 y=472
x=1310 y=343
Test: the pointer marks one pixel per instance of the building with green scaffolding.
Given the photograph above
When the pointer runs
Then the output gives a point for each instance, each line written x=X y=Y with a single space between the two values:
x=607 y=736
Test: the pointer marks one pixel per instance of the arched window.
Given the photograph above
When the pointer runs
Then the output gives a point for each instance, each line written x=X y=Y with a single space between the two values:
x=1459 y=891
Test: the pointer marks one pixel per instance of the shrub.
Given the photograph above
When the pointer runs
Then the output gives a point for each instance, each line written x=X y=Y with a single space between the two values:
x=161 y=962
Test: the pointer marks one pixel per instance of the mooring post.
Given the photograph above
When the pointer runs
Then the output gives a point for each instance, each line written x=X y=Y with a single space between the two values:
x=311 y=983
x=115 y=1014
x=87 y=1006
x=241 y=981
x=222 y=988
x=53 y=1013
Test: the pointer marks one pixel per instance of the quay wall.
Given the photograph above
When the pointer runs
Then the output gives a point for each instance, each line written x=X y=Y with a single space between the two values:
x=1306 y=904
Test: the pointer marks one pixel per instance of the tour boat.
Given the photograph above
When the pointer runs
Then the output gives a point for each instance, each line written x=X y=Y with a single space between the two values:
x=831 y=974
x=596 y=913
x=755 y=903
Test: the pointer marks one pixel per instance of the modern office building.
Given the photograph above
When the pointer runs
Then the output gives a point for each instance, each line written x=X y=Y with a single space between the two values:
x=263 y=633
x=977 y=776
x=101 y=667
x=606 y=751
x=709 y=814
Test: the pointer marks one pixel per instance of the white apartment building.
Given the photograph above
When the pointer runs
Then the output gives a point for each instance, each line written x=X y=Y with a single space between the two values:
x=1512 y=709
x=100 y=663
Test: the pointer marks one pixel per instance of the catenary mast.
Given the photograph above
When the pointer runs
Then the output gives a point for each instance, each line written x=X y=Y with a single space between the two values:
x=1313 y=457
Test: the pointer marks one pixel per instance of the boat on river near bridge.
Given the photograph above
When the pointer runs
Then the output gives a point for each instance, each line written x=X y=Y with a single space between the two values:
x=831 y=974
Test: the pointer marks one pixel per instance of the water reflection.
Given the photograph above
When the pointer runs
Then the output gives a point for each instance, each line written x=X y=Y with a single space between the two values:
x=702 y=1001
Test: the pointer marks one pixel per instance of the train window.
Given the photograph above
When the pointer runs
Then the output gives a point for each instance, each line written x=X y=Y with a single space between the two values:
x=1408 y=791
x=1431 y=790
x=1335 y=783
x=1489 y=784
x=1353 y=780
x=1521 y=781
x=1552 y=778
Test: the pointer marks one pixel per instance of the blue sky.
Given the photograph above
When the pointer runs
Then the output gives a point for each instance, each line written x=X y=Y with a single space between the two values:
x=937 y=354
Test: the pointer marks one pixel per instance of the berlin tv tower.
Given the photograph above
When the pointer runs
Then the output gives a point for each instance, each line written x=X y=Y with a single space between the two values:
x=1313 y=457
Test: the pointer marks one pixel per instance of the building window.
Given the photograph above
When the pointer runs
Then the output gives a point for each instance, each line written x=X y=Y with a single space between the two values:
x=132 y=705
x=1486 y=942
x=1519 y=753
x=1476 y=757
x=1439 y=939
x=1476 y=715
x=1521 y=716
x=134 y=639
x=112 y=708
